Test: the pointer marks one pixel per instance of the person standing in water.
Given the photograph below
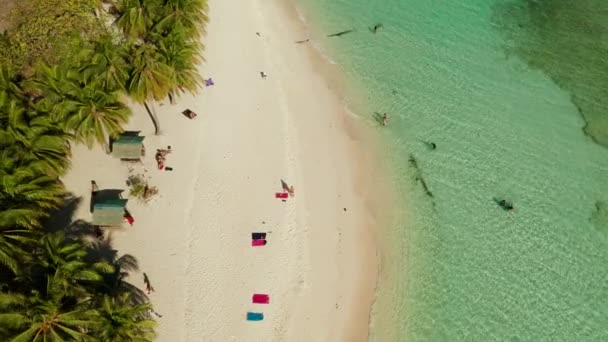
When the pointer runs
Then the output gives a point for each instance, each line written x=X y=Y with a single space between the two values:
x=385 y=119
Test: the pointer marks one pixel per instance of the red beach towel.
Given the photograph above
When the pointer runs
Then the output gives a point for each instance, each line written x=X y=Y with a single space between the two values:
x=281 y=195
x=257 y=243
x=259 y=298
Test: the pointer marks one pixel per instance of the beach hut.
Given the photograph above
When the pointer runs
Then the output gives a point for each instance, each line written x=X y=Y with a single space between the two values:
x=109 y=212
x=128 y=146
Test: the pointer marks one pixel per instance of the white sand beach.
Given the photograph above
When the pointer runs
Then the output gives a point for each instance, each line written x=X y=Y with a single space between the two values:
x=193 y=240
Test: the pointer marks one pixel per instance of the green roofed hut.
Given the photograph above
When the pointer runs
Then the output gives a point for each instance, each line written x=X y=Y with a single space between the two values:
x=128 y=146
x=109 y=212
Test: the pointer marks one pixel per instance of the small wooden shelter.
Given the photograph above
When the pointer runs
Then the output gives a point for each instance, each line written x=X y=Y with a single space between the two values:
x=128 y=146
x=109 y=212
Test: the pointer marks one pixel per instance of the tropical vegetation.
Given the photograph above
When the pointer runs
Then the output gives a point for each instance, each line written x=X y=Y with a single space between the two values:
x=66 y=69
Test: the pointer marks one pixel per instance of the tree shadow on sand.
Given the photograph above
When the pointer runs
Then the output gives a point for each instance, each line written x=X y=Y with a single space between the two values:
x=98 y=250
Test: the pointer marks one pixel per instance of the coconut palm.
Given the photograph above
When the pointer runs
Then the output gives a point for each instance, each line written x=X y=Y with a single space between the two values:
x=183 y=56
x=29 y=137
x=119 y=321
x=135 y=17
x=12 y=247
x=36 y=319
x=62 y=261
x=26 y=195
x=188 y=16
x=107 y=61
x=150 y=78
x=81 y=104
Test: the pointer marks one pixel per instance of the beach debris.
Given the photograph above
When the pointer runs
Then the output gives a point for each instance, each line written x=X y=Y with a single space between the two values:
x=189 y=114
x=139 y=187
x=302 y=41
x=419 y=177
x=258 y=33
x=376 y=27
x=209 y=82
x=341 y=33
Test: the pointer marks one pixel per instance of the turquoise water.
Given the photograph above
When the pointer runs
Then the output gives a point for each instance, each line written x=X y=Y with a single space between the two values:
x=485 y=81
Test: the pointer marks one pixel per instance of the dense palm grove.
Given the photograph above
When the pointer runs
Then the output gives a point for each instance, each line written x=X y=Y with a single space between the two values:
x=66 y=68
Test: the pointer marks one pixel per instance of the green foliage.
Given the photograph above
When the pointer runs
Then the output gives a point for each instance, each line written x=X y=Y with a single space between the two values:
x=139 y=187
x=63 y=73
x=40 y=29
x=119 y=321
x=82 y=104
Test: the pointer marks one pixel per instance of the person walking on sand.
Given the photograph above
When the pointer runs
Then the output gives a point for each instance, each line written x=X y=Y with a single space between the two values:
x=149 y=287
x=385 y=119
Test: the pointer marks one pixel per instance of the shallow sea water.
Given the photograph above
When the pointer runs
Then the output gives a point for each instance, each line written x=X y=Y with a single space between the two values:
x=506 y=125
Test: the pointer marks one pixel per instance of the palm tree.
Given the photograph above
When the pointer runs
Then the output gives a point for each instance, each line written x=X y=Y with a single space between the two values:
x=119 y=321
x=150 y=78
x=32 y=318
x=29 y=137
x=62 y=262
x=135 y=17
x=81 y=103
x=12 y=247
x=107 y=62
x=187 y=16
x=10 y=90
x=26 y=194
x=183 y=56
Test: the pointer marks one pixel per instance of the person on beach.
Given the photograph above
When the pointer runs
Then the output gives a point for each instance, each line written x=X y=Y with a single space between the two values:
x=376 y=27
x=149 y=287
x=385 y=119
x=289 y=189
x=431 y=145
x=263 y=74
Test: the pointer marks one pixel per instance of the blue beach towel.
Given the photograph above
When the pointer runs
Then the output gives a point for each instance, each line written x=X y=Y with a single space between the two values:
x=255 y=316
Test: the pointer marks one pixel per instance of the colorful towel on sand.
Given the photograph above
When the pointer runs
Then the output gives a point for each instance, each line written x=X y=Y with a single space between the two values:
x=255 y=316
x=259 y=298
x=281 y=195
x=258 y=243
x=258 y=236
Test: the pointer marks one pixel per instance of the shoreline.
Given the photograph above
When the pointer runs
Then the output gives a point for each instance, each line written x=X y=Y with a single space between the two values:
x=321 y=264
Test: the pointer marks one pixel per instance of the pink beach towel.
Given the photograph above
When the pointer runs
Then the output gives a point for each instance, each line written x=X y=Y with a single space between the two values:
x=281 y=195
x=259 y=298
x=257 y=243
